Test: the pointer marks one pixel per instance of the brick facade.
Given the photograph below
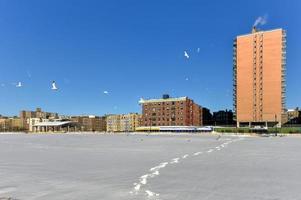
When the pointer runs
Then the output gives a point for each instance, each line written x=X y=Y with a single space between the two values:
x=171 y=112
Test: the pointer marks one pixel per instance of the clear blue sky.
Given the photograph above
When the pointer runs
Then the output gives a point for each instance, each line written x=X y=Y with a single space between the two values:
x=132 y=49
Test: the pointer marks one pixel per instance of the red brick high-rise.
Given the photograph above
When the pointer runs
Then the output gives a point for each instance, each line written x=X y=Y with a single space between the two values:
x=259 y=77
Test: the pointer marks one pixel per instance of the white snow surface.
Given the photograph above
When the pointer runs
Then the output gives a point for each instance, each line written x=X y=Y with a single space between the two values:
x=125 y=167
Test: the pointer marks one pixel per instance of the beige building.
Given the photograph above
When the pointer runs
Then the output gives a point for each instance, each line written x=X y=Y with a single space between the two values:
x=259 y=77
x=129 y=122
x=33 y=121
x=113 y=123
x=294 y=116
x=122 y=123
x=11 y=124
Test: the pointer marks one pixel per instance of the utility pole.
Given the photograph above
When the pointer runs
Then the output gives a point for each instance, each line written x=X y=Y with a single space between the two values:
x=150 y=125
x=276 y=124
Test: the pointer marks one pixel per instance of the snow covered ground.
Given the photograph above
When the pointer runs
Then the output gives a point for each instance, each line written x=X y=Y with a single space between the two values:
x=189 y=167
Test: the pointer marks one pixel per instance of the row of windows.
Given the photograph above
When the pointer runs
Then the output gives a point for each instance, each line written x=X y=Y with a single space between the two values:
x=163 y=119
x=164 y=103
x=167 y=124
x=163 y=108
x=167 y=114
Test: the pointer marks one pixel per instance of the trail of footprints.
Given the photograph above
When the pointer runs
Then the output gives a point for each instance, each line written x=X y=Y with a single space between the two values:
x=140 y=186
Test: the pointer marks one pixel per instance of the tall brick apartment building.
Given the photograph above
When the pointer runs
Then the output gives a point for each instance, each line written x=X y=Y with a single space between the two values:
x=259 y=77
x=168 y=111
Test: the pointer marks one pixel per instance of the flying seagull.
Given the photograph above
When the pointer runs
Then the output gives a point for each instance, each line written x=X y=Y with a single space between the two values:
x=54 y=86
x=19 y=84
x=105 y=92
x=186 y=54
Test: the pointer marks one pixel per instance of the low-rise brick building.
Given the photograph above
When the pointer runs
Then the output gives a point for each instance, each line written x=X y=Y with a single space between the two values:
x=90 y=123
x=167 y=111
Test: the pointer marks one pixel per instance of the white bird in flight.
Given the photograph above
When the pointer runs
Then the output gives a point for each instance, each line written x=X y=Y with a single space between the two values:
x=186 y=54
x=19 y=84
x=105 y=92
x=54 y=86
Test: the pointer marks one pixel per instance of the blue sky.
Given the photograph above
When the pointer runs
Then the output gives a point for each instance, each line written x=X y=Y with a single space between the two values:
x=132 y=49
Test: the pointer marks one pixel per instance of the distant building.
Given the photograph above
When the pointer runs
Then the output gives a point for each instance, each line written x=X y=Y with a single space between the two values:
x=259 y=68
x=55 y=126
x=168 y=111
x=122 y=122
x=90 y=123
x=206 y=116
x=223 y=117
x=33 y=121
x=294 y=116
x=3 y=124
x=174 y=129
x=113 y=123
x=10 y=124
x=38 y=114
x=128 y=122
x=26 y=115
